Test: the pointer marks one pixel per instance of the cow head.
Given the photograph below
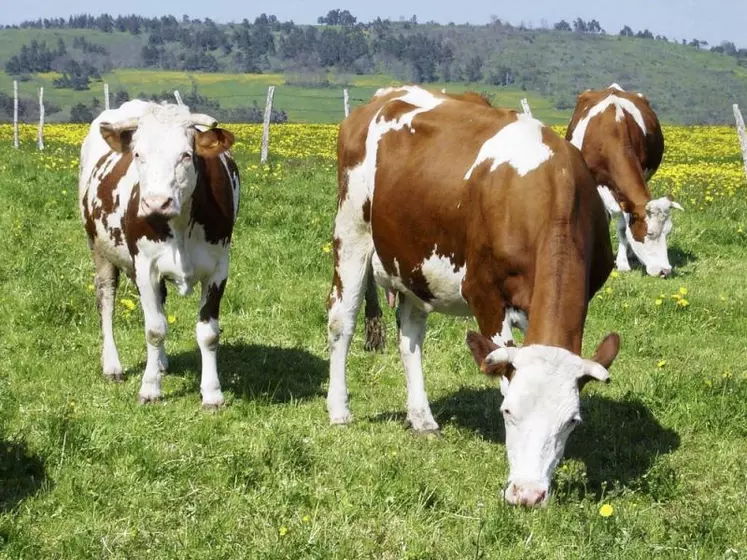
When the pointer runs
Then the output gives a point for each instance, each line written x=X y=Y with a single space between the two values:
x=647 y=229
x=541 y=406
x=163 y=143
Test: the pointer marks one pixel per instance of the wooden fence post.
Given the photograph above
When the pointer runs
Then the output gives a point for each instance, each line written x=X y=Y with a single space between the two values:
x=178 y=97
x=40 y=134
x=266 y=127
x=15 y=114
x=742 y=135
x=106 y=96
x=346 y=101
x=525 y=106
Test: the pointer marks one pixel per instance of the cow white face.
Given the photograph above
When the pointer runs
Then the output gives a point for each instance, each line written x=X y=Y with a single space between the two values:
x=540 y=410
x=652 y=252
x=164 y=144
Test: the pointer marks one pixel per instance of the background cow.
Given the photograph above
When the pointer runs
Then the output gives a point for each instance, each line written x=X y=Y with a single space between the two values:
x=158 y=198
x=621 y=140
x=465 y=209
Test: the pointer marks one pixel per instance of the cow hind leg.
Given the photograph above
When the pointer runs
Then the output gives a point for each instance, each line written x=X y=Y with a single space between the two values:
x=163 y=360
x=412 y=322
x=374 y=323
x=352 y=267
x=106 y=281
x=207 y=333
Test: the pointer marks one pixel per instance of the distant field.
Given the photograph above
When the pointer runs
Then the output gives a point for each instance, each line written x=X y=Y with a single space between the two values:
x=303 y=105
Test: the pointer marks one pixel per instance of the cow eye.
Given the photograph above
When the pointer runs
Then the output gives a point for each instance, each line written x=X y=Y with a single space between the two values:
x=575 y=421
x=137 y=155
x=186 y=156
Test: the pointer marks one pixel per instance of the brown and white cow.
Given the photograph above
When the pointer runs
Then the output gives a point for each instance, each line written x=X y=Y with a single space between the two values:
x=465 y=209
x=620 y=138
x=158 y=197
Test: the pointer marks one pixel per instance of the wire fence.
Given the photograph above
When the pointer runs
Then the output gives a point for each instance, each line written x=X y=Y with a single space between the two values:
x=292 y=105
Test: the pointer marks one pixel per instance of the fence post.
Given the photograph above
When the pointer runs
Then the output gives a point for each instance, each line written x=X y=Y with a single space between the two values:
x=40 y=134
x=15 y=114
x=346 y=101
x=525 y=106
x=266 y=127
x=178 y=97
x=106 y=96
x=742 y=135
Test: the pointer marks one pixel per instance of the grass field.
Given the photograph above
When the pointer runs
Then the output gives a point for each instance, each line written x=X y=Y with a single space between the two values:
x=86 y=472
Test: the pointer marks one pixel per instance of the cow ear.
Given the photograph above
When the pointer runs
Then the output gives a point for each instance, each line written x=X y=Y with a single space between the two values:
x=493 y=360
x=213 y=142
x=118 y=140
x=596 y=368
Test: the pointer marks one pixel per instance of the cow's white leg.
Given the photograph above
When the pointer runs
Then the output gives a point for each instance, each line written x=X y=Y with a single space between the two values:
x=208 y=334
x=156 y=328
x=621 y=261
x=352 y=264
x=411 y=335
x=106 y=280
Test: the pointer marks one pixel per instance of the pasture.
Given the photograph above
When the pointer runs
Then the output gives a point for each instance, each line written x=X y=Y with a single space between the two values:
x=657 y=469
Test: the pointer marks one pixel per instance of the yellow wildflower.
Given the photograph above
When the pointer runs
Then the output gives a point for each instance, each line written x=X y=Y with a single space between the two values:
x=306 y=519
x=683 y=290
x=283 y=531
x=327 y=247
x=659 y=301
x=172 y=319
x=606 y=510
x=661 y=364
x=683 y=302
x=127 y=303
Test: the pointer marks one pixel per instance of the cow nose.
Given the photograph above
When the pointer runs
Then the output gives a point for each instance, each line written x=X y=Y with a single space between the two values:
x=527 y=497
x=163 y=205
x=665 y=272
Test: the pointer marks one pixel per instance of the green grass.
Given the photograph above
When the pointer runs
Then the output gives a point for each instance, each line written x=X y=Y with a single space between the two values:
x=85 y=472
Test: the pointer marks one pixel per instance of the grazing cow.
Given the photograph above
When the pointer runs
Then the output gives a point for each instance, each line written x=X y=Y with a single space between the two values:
x=465 y=209
x=620 y=138
x=158 y=197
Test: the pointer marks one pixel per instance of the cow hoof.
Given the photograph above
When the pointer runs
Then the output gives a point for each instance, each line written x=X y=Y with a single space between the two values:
x=623 y=267
x=212 y=401
x=149 y=399
x=116 y=377
x=211 y=407
x=340 y=419
x=149 y=394
x=430 y=433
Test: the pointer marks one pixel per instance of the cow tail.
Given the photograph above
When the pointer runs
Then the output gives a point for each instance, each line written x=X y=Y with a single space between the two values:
x=374 y=322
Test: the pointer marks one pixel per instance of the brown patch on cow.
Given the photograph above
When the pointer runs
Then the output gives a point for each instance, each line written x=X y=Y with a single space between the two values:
x=337 y=287
x=367 y=210
x=212 y=200
x=211 y=308
x=108 y=183
x=153 y=227
x=116 y=236
x=88 y=221
x=419 y=285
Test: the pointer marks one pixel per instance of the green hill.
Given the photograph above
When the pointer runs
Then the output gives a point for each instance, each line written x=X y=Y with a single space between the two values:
x=311 y=65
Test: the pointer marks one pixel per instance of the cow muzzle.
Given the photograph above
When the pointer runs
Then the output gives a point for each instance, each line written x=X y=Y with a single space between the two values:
x=527 y=495
x=158 y=205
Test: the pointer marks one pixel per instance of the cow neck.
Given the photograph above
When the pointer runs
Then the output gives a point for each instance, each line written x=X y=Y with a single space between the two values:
x=558 y=304
x=626 y=171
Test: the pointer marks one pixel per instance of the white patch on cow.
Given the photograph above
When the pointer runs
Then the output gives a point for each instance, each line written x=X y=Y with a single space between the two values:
x=609 y=200
x=615 y=86
x=519 y=144
x=540 y=408
x=621 y=106
x=445 y=283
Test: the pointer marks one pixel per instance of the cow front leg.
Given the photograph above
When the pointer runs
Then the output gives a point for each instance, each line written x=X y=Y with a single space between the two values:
x=156 y=328
x=106 y=280
x=207 y=333
x=411 y=336
x=621 y=261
